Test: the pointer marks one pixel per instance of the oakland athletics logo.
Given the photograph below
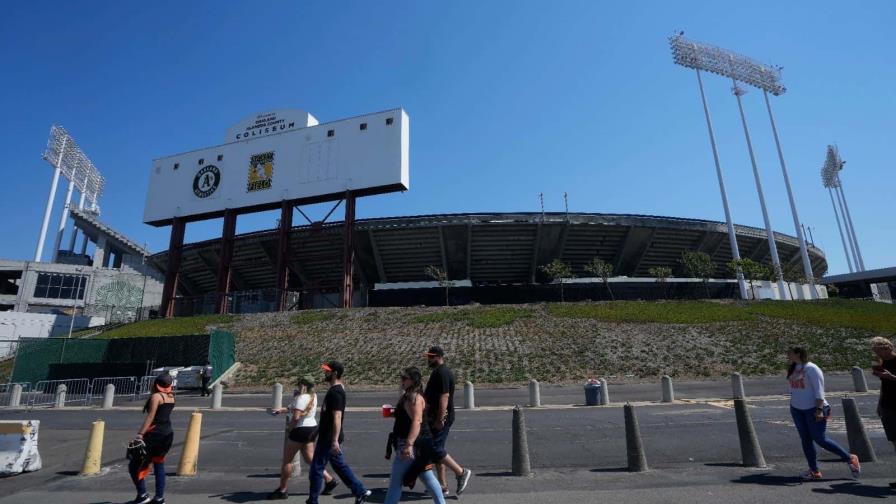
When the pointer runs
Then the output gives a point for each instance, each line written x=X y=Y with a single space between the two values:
x=206 y=181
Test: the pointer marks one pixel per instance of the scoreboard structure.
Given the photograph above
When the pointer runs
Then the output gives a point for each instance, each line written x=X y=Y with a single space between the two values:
x=277 y=159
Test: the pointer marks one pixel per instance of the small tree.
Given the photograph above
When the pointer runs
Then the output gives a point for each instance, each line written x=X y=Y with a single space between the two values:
x=600 y=268
x=698 y=265
x=661 y=273
x=750 y=269
x=439 y=275
x=557 y=270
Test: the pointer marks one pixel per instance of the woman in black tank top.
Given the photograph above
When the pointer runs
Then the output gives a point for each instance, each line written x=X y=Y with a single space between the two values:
x=409 y=431
x=156 y=433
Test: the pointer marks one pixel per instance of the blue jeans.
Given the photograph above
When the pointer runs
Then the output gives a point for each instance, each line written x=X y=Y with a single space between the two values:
x=138 y=476
x=811 y=432
x=322 y=456
x=399 y=468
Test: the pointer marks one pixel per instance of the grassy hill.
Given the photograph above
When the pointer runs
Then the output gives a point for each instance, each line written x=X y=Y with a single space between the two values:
x=550 y=342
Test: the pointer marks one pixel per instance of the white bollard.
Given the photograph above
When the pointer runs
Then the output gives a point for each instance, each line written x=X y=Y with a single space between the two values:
x=737 y=386
x=60 y=396
x=534 y=394
x=15 y=395
x=216 y=396
x=668 y=394
x=604 y=393
x=277 y=396
x=469 y=399
x=858 y=379
x=108 y=396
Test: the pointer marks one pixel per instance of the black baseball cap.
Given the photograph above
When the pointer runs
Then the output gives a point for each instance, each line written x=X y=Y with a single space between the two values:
x=435 y=351
x=333 y=367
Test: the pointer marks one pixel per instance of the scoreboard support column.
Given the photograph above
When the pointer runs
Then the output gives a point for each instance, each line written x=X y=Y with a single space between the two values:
x=283 y=250
x=172 y=271
x=225 y=259
x=348 y=254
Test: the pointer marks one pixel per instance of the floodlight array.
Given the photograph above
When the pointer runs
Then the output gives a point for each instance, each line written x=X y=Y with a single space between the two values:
x=74 y=164
x=700 y=56
x=832 y=164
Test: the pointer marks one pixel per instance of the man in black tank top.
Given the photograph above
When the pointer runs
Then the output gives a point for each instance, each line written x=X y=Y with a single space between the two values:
x=885 y=369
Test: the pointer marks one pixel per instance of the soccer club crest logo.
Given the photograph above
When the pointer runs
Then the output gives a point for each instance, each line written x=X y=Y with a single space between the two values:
x=261 y=172
x=206 y=181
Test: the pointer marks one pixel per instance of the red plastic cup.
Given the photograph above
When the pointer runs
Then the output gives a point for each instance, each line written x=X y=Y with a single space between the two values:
x=388 y=411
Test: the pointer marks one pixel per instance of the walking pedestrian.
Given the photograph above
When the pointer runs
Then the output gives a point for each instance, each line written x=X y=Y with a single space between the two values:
x=153 y=441
x=810 y=412
x=206 y=375
x=329 y=448
x=885 y=369
x=301 y=433
x=407 y=430
x=439 y=395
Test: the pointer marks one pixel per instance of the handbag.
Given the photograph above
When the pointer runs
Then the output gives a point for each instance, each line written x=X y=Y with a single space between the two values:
x=136 y=452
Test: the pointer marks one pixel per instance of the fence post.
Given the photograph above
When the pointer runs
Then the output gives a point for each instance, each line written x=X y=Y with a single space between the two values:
x=60 y=396
x=634 y=448
x=15 y=395
x=108 y=396
x=520 y=454
x=469 y=399
x=189 y=457
x=534 y=394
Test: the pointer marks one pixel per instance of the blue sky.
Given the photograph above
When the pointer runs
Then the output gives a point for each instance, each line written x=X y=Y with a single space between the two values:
x=506 y=99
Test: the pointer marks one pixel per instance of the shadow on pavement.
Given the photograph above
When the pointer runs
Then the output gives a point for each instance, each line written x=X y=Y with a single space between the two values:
x=857 y=489
x=724 y=464
x=502 y=474
x=768 y=479
x=269 y=475
x=241 y=496
x=610 y=470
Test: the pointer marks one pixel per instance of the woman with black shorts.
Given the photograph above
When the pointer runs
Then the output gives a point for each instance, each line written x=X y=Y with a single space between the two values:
x=301 y=428
x=156 y=434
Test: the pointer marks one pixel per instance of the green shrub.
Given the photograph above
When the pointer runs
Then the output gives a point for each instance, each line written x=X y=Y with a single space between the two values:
x=856 y=314
x=484 y=317
x=312 y=317
x=671 y=312
x=177 y=326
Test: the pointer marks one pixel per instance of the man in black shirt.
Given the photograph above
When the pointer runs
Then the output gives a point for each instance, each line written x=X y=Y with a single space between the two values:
x=886 y=371
x=330 y=438
x=439 y=415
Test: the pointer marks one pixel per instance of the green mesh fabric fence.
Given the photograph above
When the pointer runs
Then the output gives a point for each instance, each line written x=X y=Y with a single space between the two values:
x=42 y=358
x=221 y=352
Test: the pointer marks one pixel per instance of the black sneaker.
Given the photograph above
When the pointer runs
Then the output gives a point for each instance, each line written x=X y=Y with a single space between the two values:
x=142 y=499
x=157 y=500
x=361 y=499
x=328 y=487
x=462 y=481
x=277 y=495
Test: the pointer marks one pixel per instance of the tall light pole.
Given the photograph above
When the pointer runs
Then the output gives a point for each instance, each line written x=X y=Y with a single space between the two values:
x=732 y=239
x=57 y=170
x=772 y=246
x=738 y=68
x=852 y=228
x=801 y=236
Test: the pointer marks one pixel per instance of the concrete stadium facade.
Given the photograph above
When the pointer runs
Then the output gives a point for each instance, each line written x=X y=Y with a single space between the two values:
x=486 y=249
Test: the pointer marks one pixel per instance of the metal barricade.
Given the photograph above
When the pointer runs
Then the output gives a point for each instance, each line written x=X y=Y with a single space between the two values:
x=6 y=392
x=145 y=387
x=124 y=386
x=77 y=391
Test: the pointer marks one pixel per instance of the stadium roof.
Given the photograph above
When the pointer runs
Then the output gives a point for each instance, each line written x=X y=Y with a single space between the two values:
x=486 y=248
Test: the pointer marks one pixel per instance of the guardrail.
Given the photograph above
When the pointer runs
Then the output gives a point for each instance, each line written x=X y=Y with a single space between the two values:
x=6 y=391
x=44 y=392
x=124 y=386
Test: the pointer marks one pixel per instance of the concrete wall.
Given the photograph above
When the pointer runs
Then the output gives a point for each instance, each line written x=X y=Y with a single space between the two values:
x=15 y=325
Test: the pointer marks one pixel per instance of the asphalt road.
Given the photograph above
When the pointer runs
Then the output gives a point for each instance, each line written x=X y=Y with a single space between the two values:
x=691 y=446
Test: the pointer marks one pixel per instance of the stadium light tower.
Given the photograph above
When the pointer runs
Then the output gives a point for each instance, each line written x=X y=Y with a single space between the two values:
x=831 y=180
x=700 y=56
x=67 y=159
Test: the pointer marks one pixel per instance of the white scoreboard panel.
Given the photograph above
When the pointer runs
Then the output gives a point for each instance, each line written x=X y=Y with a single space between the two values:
x=366 y=154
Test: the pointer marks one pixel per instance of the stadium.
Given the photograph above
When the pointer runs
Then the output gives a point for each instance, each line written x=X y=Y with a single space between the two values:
x=490 y=257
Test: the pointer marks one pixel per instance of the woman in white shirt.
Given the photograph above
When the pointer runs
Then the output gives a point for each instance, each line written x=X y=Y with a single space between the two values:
x=810 y=412
x=301 y=428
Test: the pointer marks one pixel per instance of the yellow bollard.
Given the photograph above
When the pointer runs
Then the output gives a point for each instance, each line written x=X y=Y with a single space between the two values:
x=93 y=457
x=189 y=458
